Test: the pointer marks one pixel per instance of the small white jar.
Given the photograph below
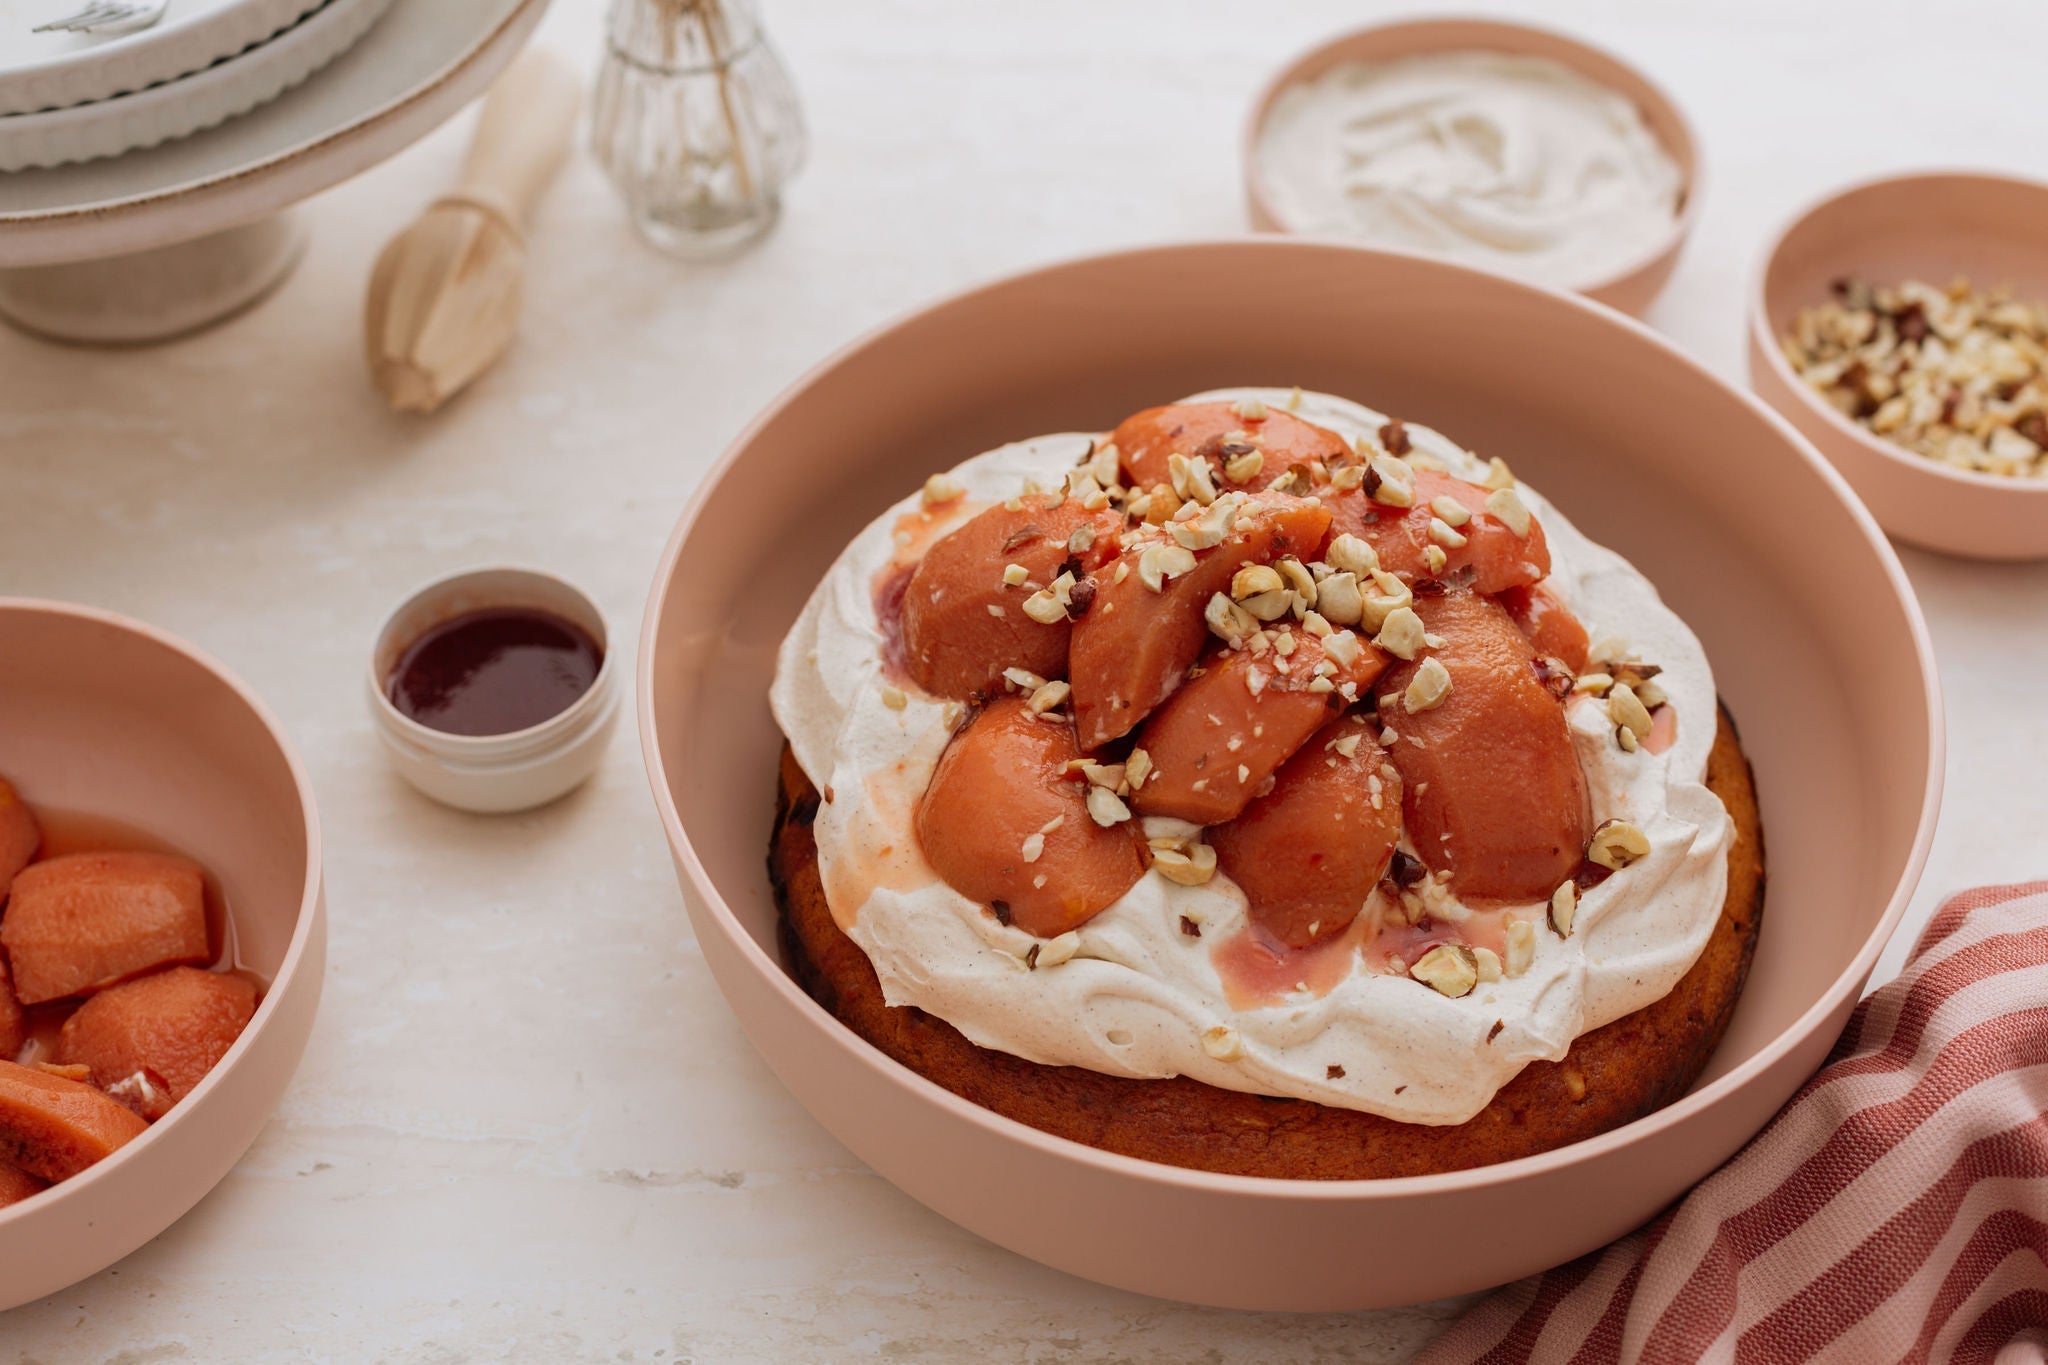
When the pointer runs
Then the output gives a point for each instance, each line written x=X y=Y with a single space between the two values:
x=495 y=773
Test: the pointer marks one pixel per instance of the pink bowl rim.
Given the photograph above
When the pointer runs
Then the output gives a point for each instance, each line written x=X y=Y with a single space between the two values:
x=1850 y=980
x=1765 y=341
x=284 y=978
x=1691 y=161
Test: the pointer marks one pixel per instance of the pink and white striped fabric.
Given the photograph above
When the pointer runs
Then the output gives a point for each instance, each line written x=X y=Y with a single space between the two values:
x=1895 y=1210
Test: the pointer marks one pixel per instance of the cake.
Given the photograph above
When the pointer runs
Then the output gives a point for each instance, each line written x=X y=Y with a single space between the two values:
x=1266 y=786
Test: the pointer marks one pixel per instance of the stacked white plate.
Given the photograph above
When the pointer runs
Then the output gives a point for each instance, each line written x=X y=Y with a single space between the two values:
x=72 y=97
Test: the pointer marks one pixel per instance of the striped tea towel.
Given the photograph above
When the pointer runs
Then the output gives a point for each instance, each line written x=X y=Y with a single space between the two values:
x=1895 y=1210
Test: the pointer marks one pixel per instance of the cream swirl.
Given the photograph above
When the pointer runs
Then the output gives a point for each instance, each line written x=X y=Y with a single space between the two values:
x=1517 y=164
x=1140 y=995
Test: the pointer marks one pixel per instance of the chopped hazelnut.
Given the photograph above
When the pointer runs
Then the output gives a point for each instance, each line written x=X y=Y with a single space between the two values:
x=1612 y=649
x=1221 y=1042
x=1387 y=595
x=1352 y=555
x=1401 y=634
x=1428 y=688
x=1192 y=478
x=1254 y=579
x=1110 y=775
x=1105 y=808
x=1507 y=505
x=1229 y=621
x=1055 y=951
x=1396 y=482
x=1448 y=968
x=1045 y=607
x=1521 y=947
x=1299 y=579
x=1245 y=466
x=1270 y=606
x=1616 y=844
x=940 y=489
x=1158 y=563
x=1190 y=868
x=1048 y=696
x=1627 y=711
x=1564 y=905
x=1339 y=601
x=1208 y=528
x=1342 y=646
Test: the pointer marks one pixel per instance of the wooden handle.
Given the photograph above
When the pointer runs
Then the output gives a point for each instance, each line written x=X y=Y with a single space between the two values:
x=523 y=136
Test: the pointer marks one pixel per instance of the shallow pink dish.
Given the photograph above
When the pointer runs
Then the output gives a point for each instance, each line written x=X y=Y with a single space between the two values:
x=1629 y=285
x=1932 y=226
x=104 y=716
x=1818 y=647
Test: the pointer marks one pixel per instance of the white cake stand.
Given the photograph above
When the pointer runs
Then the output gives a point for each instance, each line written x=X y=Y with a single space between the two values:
x=157 y=243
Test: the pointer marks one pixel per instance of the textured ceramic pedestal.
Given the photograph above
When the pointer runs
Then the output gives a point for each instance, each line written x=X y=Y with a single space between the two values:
x=154 y=295
x=160 y=242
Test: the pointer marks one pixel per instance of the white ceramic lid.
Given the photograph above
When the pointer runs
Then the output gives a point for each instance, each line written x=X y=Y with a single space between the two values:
x=58 y=70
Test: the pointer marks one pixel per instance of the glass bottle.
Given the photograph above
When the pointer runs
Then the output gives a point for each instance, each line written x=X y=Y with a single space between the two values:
x=696 y=122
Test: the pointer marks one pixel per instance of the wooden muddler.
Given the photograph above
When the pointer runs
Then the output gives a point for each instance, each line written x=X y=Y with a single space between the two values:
x=445 y=297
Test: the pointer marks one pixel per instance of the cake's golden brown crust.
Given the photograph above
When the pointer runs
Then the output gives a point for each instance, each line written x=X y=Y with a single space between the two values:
x=1611 y=1075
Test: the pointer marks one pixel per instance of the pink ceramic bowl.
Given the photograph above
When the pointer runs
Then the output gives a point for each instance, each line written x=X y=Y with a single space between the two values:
x=1817 y=644
x=1629 y=285
x=1933 y=227
x=104 y=716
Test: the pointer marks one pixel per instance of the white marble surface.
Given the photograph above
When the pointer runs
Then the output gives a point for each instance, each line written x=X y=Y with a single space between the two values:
x=527 y=1128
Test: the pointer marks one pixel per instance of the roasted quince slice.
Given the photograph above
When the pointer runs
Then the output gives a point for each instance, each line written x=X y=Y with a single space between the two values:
x=989 y=596
x=87 y=920
x=1308 y=853
x=1494 y=793
x=1012 y=821
x=1212 y=746
x=53 y=1128
x=1145 y=622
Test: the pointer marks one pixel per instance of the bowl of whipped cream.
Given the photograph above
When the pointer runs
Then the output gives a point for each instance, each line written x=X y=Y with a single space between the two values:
x=1512 y=149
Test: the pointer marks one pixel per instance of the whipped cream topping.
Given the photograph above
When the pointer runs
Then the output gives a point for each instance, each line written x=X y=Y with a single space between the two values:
x=1517 y=164
x=1141 y=997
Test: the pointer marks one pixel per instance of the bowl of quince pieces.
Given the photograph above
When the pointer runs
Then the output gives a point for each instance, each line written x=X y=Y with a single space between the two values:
x=162 y=934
